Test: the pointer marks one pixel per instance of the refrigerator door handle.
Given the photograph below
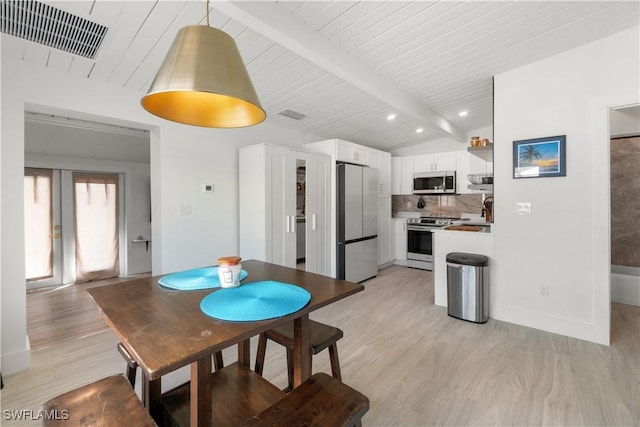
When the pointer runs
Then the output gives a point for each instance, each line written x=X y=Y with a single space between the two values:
x=288 y=224
x=313 y=222
x=293 y=223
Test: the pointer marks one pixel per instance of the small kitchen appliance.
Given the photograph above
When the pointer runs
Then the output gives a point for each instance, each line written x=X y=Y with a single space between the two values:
x=442 y=182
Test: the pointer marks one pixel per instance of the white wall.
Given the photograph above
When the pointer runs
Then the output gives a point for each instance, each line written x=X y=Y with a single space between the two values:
x=182 y=157
x=564 y=244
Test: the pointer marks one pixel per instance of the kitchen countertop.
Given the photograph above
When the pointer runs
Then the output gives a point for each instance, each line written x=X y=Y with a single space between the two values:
x=483 y=230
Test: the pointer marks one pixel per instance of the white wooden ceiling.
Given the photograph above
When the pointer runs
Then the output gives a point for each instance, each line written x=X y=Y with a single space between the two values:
x=346 y=65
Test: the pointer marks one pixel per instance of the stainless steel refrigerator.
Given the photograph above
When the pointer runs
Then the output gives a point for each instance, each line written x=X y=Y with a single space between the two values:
x=357 y=222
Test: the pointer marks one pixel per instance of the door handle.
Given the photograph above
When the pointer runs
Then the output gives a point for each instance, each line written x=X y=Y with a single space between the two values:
x=293 y=223
x=313 y=221
x=288 y=224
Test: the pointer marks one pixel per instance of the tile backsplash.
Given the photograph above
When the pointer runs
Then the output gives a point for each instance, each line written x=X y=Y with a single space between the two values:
x=450 y=205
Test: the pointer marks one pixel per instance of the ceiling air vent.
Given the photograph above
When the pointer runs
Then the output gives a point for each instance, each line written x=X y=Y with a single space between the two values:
x=292 y=114
x=53 y=27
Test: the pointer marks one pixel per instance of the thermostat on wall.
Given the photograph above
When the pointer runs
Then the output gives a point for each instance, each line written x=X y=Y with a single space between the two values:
x=207 y=188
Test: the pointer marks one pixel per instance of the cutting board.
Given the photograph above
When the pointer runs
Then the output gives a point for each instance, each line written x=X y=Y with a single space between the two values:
x=463 y=227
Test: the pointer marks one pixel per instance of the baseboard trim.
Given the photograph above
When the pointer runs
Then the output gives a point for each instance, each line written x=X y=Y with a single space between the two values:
x=17 y=361
x=625 y=289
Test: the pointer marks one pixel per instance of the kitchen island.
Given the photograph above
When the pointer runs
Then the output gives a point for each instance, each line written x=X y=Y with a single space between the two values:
x=447 y=241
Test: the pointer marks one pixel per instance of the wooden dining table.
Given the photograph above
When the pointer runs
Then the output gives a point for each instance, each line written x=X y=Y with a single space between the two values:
x=164 y=329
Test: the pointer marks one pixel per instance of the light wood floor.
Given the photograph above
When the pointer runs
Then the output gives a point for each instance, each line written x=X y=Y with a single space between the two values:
x=418 y=366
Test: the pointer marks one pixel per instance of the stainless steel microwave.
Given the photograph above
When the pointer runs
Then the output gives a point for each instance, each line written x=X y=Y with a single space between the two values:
x=442 y=182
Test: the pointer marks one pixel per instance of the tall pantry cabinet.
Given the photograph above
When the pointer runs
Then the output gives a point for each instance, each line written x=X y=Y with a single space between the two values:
x=271 y=211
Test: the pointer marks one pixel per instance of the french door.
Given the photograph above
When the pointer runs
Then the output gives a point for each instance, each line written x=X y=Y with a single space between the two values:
x=43 y=243
x=72 y=226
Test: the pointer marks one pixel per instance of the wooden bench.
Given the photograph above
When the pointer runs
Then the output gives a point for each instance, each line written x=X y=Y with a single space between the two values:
x=242 y=397
x=320 y=401
x=238 y=394
x=108 y=402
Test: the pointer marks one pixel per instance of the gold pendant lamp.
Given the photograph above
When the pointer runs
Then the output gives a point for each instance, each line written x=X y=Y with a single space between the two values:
x=203 y=82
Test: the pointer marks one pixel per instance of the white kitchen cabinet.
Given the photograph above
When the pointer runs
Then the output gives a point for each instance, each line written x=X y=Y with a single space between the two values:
x=317 y=212
x=396 y=179
x=400 y=240
x=352 y=153
x=406 y=175
x=445 y=161
x=268 y=211
x=381 y=161
x=401 y=175
x=386 y=253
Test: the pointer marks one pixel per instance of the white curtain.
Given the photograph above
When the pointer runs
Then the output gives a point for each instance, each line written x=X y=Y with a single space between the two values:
x=38 y=223
x=96 y=226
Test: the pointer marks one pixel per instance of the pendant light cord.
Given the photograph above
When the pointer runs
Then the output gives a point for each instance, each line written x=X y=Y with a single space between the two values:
x=208 y=14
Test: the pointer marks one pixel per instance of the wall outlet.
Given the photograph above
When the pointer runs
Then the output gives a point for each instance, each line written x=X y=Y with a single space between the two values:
x=543 y=291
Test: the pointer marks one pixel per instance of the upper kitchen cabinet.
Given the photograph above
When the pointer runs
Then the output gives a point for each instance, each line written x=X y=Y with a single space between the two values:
x=280 y=189
x=402 y=175
x=435 y=162
x=344 y=151
x=381 y=161
x=352 y=153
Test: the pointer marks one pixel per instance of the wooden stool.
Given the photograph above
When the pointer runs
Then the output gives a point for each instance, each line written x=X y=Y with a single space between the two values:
x=318 y=402
x=321 y=336
x=107 y=402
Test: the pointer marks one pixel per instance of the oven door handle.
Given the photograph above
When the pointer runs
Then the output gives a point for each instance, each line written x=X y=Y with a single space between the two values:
x=420 y=228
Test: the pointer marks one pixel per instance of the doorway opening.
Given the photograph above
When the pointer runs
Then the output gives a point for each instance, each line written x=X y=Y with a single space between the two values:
x=624 y=157
x=94 y=168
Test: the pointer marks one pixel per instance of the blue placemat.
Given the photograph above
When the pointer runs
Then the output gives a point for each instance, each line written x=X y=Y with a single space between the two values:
x=255 y=301
x=191 y=280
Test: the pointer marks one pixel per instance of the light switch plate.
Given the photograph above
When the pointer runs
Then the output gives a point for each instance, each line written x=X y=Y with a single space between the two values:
x=185 y=209
x=523 y=208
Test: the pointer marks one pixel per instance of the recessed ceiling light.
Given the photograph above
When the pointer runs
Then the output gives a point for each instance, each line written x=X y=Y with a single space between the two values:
x=391 y=116
x=419 y=130
x=463 y=113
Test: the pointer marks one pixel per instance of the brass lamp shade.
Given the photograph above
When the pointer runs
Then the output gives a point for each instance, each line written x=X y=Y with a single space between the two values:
x=203 y=82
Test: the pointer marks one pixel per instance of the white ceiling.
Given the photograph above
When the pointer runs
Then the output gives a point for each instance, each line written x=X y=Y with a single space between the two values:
x=347 y=65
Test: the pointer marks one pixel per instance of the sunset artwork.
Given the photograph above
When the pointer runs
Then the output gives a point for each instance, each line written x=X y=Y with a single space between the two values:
x=542 y=157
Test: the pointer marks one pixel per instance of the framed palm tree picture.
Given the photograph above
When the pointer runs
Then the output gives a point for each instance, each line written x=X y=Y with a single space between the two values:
x=539 y=157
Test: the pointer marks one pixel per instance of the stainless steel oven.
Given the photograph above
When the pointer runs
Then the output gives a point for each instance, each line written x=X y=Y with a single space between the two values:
x=420 y=240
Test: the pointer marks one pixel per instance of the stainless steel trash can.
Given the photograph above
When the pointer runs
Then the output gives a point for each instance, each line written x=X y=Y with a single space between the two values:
x=468 y=286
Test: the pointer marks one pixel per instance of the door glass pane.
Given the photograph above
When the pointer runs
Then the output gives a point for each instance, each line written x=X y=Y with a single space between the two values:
x=38 y=226
x=96 y=226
